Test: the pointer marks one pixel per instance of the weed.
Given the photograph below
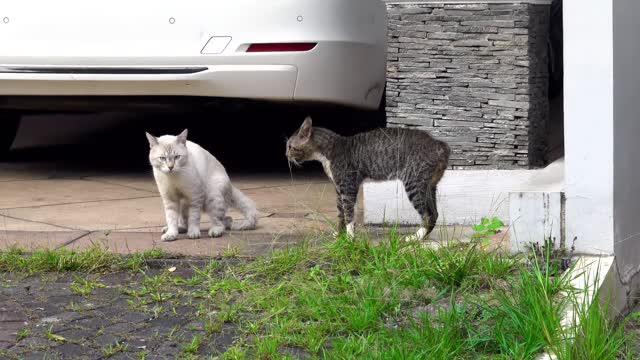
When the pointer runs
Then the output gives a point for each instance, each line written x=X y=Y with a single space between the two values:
x=53 y=337
x=193 y=346
x=155 y=285
x=485 y=228
x=231 y=252
x=235 y=352
x=173 y=331
x=22 y=334
x=137 y=261
x=84 y=287
x=75 y=307
x=266 y=347
x=453 y=264
x=213 y=326
x=558 y=255
x=114 y=348
x=156 y=311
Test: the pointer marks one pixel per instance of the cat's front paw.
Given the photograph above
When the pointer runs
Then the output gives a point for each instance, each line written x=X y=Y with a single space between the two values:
x=181 y=229
x=216 y=231
x=194 y=233
x=169 y=236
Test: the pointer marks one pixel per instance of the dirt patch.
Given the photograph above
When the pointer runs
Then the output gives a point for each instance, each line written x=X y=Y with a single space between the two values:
x=45 y=314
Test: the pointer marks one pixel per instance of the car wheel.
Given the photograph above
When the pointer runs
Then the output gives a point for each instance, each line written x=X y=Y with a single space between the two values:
x=8 y=129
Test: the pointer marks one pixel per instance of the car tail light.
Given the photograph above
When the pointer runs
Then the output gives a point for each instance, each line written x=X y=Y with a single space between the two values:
x=280 y=47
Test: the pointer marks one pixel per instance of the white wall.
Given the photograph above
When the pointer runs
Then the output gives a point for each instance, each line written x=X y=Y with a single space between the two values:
x=464 y=197
x=588 y=96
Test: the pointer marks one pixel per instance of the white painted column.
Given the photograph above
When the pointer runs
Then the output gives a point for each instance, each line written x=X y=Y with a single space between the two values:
x=588 y=124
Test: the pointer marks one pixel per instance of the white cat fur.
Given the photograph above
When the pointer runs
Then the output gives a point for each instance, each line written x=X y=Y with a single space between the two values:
x=191 y=180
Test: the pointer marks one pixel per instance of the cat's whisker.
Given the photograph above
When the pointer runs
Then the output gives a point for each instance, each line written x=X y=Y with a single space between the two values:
x=290 y=170
x=294 y=161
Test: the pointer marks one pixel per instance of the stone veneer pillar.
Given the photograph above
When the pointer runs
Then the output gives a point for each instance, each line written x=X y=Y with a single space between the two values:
x=474 y=74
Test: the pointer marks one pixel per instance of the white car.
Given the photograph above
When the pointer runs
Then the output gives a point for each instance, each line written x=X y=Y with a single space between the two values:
x=298 y=51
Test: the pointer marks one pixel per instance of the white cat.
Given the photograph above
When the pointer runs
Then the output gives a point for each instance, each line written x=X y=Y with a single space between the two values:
x=191 y=180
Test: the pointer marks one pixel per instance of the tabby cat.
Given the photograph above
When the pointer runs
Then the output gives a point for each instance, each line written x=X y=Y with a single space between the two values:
x=412 y=156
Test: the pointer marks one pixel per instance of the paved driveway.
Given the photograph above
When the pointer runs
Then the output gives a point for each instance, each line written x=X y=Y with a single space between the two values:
x=41 y=206
x=45 y=203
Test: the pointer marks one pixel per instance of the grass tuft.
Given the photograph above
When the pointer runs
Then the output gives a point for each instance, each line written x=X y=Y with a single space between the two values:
x=94 y=259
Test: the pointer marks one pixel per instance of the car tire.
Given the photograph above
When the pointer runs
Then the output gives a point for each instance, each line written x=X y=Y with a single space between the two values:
x=9 y=124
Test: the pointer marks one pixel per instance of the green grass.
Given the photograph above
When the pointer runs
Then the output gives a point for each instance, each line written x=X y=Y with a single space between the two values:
x=53 y=337
x=84 y=287
x=94 y=259
x=355 y=299
x=524 y=316
x=593 y=334
x=114 y=348
x=192 y=347
x=22 y=334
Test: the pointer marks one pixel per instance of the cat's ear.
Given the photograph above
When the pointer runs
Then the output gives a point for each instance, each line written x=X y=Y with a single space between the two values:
x=182 y=138
x=153 y=141
x=306 y=128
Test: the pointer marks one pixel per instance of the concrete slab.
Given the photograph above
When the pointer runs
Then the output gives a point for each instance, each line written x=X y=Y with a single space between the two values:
x=33 y=240
x=10 y=223
x=276 y=180
x=296 y=200
x=114 y=215
x=34 y=193
x=273 y=233
x=145 y=182
x=16 y=172
x=142 y=182
x=42 y=171
x=104 y=215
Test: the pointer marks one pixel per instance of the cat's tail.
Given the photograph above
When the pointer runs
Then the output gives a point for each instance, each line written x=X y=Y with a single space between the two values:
x=248 y=208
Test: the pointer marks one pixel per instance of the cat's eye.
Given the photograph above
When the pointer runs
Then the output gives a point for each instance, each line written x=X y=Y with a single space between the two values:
x=177 y=157
x=162 y=158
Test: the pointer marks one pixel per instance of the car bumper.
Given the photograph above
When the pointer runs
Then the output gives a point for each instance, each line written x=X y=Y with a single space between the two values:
x=347 y=66
x=339 y=73
x=277 y=82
